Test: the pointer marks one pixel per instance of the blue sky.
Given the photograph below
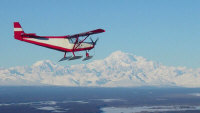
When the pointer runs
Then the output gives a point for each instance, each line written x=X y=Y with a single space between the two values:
x=165 y=31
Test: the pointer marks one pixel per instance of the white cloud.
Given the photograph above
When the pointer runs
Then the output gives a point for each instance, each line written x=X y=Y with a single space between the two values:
x=110 y=100
x=148 y=109
x=195 y=94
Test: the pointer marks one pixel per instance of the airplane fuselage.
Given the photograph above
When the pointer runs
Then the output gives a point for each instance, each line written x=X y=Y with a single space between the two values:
x=61 y=44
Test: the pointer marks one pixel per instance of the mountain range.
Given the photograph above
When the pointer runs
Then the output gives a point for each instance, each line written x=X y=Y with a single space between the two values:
x=117 y=70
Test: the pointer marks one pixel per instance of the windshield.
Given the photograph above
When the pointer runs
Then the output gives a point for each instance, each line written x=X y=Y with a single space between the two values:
x=73 y=40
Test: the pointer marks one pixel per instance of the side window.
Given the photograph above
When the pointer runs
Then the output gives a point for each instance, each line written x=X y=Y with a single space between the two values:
x=72 y=40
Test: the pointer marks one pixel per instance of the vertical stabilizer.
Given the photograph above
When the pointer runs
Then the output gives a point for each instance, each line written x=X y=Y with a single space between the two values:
x=18 y=31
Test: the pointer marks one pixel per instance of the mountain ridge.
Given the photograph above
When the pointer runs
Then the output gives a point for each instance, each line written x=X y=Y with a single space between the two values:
x=117 y=70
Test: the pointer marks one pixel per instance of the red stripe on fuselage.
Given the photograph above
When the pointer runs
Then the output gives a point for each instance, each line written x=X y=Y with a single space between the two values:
x=56 y=47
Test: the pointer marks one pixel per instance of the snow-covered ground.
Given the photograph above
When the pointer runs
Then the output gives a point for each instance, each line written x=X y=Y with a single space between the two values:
x=117 y=70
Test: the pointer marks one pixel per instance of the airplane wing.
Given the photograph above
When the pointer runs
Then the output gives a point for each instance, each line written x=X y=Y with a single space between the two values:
x=33 y=35
x=86 y=33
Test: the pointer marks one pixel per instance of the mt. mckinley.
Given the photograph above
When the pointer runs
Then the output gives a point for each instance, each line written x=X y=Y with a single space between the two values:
x=117 y=70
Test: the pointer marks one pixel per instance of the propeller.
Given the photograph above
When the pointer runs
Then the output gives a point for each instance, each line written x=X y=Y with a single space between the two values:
x=94 y=42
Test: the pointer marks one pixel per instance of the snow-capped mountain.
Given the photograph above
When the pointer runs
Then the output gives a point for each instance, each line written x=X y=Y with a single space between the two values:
x=117 y=70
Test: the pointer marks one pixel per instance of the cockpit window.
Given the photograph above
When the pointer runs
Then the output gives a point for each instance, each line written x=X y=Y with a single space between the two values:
x=73 y=40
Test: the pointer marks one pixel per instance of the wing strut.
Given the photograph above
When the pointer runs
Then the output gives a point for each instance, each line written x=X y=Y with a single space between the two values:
x=82 y=41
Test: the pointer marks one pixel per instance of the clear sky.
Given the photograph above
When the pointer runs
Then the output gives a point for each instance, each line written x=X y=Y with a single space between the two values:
x=165 y=31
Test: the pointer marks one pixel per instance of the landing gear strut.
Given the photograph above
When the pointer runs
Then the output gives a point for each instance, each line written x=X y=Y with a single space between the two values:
x=65 y=58
x=87 y=56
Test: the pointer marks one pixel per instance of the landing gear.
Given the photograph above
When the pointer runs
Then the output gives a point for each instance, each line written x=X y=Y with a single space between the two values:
x=74 y=57
x=70 y=57
x=65 y=58
x=87 y=56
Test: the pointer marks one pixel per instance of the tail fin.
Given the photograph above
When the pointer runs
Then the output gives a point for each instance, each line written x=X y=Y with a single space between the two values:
x=18 y=31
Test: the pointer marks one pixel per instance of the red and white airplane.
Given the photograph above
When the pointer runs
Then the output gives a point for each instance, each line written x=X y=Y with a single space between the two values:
x=68 y=43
